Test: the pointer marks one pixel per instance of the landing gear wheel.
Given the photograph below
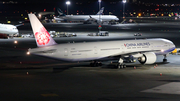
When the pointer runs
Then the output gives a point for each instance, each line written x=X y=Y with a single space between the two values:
x=95 y=64
x=121 y=66
x=91 y=64
x=100 y=64
x=124 y=65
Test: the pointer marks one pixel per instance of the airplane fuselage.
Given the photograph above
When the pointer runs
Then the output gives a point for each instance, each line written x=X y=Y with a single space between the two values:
x=8 y=29
x=87 y=17
x=145 y=50
x=99 y=50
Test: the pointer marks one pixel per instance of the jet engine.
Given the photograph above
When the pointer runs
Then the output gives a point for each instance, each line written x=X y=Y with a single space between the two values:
x=147 y=58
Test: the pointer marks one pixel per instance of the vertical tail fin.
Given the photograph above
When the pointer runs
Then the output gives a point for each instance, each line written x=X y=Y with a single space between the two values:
x=101 y=11
x=42 y=36
x=60 y=12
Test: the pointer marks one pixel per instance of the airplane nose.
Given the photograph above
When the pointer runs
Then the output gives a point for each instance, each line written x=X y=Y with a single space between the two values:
x=173 y=45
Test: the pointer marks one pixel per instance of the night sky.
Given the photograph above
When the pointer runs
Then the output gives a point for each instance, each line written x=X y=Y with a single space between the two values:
x=161 y=1
x=81 y=7
x=56 y=1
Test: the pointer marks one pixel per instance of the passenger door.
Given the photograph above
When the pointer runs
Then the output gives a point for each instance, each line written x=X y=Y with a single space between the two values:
x=65 y=52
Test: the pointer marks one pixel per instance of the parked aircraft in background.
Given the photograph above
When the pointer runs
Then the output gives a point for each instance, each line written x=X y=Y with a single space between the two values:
x=61 y=14
x=145 y=49
x=8 y=30
x=87 y=18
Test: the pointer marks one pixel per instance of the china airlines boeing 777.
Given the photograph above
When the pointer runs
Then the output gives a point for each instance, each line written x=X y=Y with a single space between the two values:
x=145 y=49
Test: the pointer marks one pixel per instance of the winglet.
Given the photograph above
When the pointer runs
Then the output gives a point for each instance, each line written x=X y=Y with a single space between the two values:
x=42 y=36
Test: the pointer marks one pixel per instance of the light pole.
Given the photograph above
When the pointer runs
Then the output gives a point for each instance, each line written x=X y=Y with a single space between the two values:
x=124 y=2
x=99 y=16
x=67 y=3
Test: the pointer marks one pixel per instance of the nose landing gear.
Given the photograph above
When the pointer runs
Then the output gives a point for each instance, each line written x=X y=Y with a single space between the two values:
x=165 y=60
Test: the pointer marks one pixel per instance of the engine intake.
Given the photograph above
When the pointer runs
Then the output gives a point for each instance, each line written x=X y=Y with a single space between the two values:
x=147 y=58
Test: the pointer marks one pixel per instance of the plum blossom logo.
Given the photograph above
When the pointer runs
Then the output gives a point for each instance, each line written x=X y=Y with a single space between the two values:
x=42 y=37
x=125 y=45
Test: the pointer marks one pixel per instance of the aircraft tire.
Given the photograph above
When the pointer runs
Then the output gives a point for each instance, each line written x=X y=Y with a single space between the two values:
x=124 y=65
x=120 y=66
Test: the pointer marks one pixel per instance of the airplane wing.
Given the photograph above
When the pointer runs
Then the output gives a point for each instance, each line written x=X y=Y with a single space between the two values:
x=117 y=56
x=19 y=25
x=90 y=18
x=140 y=52
x=135 y=54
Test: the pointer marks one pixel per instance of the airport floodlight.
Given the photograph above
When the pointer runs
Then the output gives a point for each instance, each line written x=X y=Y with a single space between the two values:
x=124 y=1
x=99 y=15
x=67 y=3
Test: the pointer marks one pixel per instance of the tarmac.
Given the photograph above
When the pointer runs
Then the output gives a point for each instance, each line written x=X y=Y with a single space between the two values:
x=28 y=77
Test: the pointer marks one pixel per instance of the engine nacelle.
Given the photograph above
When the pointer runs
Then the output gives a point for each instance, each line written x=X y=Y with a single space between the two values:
x=148 y=58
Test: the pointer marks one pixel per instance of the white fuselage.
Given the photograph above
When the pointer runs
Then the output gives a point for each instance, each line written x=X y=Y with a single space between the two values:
x=99 y=50
x=8 y=29
x=88 y=17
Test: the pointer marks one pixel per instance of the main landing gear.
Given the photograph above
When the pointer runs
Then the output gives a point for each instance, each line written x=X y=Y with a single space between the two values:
x=120 y=64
